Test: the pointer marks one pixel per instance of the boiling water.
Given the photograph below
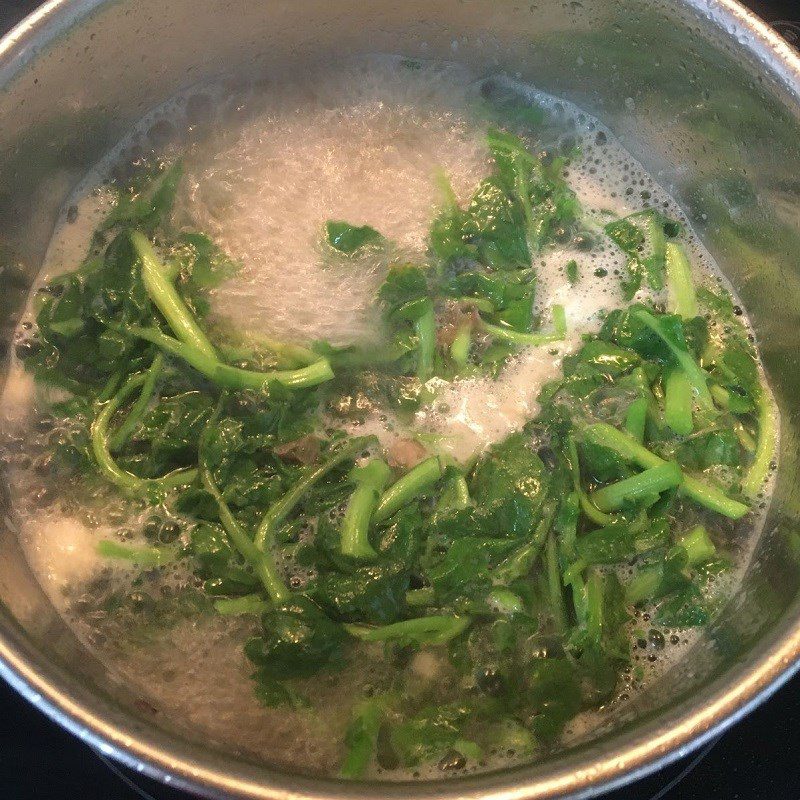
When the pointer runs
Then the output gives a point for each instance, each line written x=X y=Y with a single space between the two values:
x=266 y=166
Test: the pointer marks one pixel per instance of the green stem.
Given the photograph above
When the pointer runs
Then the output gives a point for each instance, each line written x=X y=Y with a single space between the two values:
x=166 y=298
x=279 y=510
x=586 y=504
x=420 y=597
x=721 y=396
x=701 y=492
x=655 y=264
x=143 y=556
x=652 y=481
x=554 y=586
x=455 y=495
x=109 y=469
x=422 y=630
x=290 y=352
x=111 y=386
x=567 y=525
x=425 y=327
x=643 y=585
x=745 y=439
x=693 y=372
x=682 y=297
x=371 y=480
x=120 y=438
x=521 y=561
x=522 y=187
x=234 y=377
x=594 y=604
x=532 y=339
x=636 y=418
x=698 y=545
x=678 y=402
x=765 y=447
x=361 y=736
x=262 y=562
x=459 y=349
x=414 y=483
x=247 y=604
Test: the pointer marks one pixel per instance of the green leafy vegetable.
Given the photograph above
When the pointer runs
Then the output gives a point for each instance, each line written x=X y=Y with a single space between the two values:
x=349 y=239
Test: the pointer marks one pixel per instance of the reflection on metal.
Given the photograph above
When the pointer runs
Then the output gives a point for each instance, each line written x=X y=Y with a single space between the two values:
x=716 y=95
x=790 y=30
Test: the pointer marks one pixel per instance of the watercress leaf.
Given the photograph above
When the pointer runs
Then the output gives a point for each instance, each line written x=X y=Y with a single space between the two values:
x=272 y=694
x=684 y=609
x=147 y=203
x=740 y=363
x=495 y=226
x=613 y=544
x=510 y=467
x=349 y=239
x=462 y=571
x=361 y=737
x=404 y=285
x=298 y=640
x=602 y=644
x=430 y=734
x=600 y=464
x=553 y=696
x=710 y=448
x=625 y=329
x=202 y=263
x=373 y=594
x=209 y=544
x=606 y=358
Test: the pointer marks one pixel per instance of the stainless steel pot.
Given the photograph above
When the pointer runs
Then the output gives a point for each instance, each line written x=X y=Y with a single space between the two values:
x=701 y=91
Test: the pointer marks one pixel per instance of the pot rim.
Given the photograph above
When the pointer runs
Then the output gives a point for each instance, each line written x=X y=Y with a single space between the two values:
x=583 y=774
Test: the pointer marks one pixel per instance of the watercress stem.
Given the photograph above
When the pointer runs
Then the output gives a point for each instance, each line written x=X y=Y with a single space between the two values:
x=233 y=377
x=261 y=561
x=370 y=481
x=636 y=418
x=143 y=555
x=652 y=481
x=624 y=445
x=423 y=630
x=425 y=326
x=109 y=469
x=246 y=604
x=532 y=339
x=682 y=297
x=765 y=447
x=166 y=298
x=119 y=439
x=695 y=375
x=414 y=483
x=678 y=402
x=279 y=510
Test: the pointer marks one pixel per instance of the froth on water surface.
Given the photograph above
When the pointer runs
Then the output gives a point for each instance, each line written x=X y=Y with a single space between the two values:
x=360 y=144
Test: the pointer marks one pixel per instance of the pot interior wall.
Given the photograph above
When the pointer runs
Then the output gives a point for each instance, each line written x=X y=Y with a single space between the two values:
x=706 y=119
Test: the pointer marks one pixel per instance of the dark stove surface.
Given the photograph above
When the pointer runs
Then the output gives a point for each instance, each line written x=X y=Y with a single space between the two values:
x=756 y=760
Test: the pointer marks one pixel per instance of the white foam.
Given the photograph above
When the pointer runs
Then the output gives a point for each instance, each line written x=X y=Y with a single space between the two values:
x=359 y=145
x=468 y=415
x=61 y=550
x=17 y=400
